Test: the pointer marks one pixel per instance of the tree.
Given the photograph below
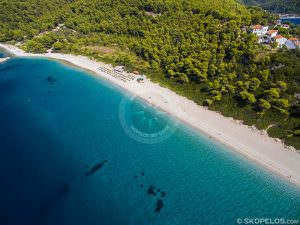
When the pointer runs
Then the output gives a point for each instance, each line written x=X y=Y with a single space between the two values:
x=123 y=60
x=171 y=73
x=183 y=78
x=281 y=105
x=263 y=105
x=208 y=102
x=254 y=83
x=296 y=133
x=58 y=45
x=217 y=97
x=272 y=93
x=274 y=44
x=249 y=97
x=264 y=74
x=34 y=47
x=281 y=85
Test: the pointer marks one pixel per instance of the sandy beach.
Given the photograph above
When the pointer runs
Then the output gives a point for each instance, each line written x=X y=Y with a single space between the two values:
x=2 y=60
x=248 y=141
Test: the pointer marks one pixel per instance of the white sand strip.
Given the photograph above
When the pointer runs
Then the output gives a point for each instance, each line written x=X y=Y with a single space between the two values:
x=250 y=142
x=2 y=60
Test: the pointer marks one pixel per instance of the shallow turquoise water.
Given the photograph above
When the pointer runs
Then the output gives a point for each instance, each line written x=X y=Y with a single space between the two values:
x=65 y=158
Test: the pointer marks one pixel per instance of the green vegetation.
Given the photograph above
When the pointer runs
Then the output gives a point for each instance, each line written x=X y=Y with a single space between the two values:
x=279 y=6
x=294 y=30
x=200 y=49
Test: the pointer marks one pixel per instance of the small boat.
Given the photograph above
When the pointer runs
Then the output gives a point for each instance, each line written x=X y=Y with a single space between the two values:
x=2 y=60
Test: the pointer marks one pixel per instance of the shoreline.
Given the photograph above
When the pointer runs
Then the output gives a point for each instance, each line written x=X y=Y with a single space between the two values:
x=253 y=144
x=3 y=60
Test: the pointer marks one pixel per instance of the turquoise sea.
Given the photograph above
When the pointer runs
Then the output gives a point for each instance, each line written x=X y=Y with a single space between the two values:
x=66 y=158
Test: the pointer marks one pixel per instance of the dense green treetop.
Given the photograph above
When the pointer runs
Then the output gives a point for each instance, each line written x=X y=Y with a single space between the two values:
x=279 y=6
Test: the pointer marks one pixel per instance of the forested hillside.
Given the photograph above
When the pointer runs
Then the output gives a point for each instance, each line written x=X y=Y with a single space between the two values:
x=199 y=48
x=280 y=6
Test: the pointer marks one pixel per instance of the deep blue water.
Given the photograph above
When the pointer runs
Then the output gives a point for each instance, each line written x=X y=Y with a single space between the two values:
x=292 y=20
x=66 y=159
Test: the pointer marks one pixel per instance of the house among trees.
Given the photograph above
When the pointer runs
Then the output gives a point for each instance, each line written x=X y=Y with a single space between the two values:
x=293 y=43
x=265 y=39
x=272 y=33
x=266 y=36
x=280 y=40
x=285 y=26
x=259 y=30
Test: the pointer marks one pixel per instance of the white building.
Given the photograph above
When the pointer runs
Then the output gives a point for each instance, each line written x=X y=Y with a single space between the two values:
x=292 y=43
x=272 y=33
x=265 y=40
x=286 y=26
x=280 y=40
x=259 y=30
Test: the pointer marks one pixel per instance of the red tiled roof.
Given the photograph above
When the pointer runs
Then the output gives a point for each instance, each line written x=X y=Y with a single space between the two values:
x=257 y=27
x=278 y=37
x=294 y=39
x=272 y=31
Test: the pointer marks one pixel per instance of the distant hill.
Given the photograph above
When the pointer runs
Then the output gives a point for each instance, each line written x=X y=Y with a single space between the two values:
x=280 y=6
